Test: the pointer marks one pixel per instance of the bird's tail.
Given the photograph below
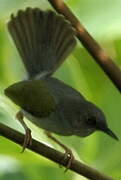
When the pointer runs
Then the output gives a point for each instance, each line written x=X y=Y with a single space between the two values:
x=43 y=39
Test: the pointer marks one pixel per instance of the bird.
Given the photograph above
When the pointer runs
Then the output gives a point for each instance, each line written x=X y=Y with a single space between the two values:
x=44 y=40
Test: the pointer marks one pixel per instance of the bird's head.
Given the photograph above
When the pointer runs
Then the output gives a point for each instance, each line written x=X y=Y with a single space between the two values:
x=93 y=119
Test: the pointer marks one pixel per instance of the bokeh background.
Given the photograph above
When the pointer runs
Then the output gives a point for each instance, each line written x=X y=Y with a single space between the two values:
x=103 y=20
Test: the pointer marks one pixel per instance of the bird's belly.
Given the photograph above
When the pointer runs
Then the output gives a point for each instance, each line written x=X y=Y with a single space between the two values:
x=52 y=123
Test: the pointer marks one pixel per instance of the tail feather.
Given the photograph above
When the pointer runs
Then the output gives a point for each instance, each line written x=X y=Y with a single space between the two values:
x=43 y=39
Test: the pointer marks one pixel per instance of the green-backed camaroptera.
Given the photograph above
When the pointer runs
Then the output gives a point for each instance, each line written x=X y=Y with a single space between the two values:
x=44 y=39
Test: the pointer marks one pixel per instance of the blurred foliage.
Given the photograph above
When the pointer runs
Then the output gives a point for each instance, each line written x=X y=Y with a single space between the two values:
x=103 y=20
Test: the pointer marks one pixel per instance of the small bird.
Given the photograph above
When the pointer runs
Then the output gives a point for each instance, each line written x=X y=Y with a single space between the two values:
x=44 y=39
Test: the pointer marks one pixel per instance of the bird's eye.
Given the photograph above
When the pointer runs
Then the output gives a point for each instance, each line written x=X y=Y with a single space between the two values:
x=91 y=121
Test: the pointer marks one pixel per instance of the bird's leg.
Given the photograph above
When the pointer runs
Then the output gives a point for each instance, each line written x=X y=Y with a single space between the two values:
x=68 y=152
x=28 y=137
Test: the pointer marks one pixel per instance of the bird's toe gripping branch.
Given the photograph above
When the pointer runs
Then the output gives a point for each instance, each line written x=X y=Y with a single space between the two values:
x=68 y=156
x=28 y=138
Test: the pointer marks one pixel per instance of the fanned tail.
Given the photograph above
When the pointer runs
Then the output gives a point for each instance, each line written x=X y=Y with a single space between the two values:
x=43 y=39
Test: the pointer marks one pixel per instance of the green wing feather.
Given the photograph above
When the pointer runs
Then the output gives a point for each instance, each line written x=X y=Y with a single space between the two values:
x=32 y=96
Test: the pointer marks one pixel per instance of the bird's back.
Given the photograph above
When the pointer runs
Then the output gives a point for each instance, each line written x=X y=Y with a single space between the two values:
x=60 y=90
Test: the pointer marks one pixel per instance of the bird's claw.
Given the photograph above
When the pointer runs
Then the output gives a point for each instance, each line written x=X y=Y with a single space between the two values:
x=70 y=157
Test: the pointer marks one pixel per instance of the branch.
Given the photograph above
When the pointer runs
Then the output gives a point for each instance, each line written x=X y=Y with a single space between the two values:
x=105 y=62
x=52 y=154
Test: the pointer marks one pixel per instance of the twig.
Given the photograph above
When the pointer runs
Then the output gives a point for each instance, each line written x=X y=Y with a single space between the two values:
x=106 y=63
x=52 y=154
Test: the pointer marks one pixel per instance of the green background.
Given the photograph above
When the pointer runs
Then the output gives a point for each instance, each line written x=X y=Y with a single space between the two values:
x=102 y=18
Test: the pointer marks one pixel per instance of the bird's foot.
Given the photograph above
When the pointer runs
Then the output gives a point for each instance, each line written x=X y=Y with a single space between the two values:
x=69 y=157
x=28 y=137
x=68 y=153
x=27 y=140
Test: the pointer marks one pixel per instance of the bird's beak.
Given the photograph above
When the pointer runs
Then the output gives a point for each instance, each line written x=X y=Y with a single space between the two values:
x=110 y=133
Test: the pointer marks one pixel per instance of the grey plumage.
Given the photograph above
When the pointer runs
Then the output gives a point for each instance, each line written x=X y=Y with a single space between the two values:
x=44 y=40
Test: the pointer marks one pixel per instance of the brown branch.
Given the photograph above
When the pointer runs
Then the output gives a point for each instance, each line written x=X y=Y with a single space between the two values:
x=105 y=62
x=52 y=154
